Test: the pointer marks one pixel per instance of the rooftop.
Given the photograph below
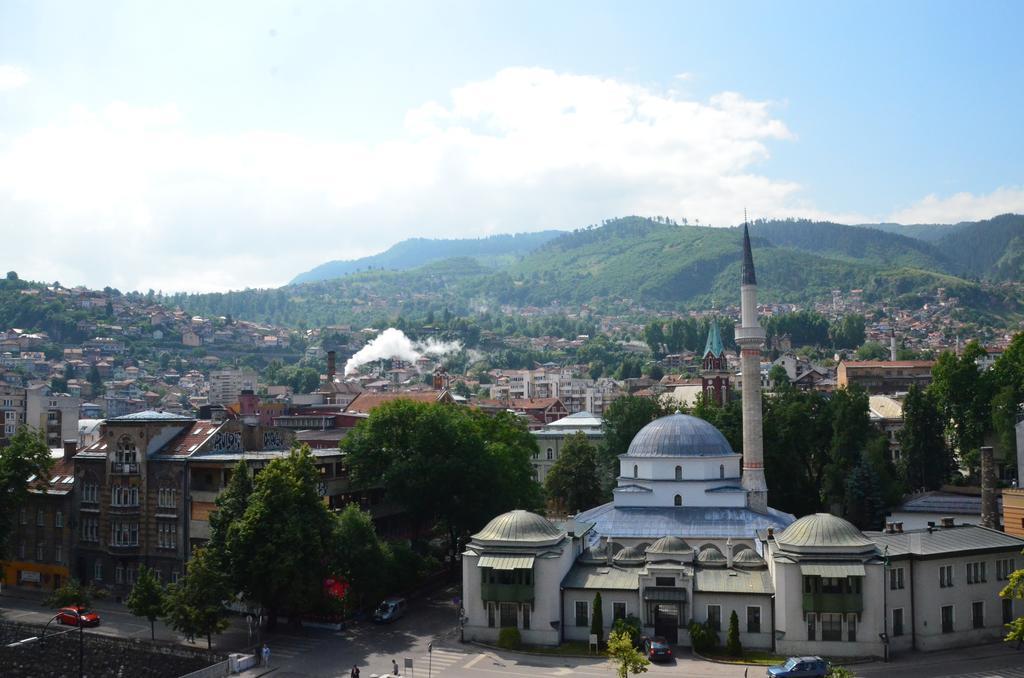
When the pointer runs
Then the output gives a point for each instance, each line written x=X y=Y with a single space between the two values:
x=679 y=435
x=946 y=541
x=686 y=521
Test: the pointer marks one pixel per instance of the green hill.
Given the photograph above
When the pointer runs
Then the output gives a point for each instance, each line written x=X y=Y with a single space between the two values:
x=493 y=251
x=990 y=249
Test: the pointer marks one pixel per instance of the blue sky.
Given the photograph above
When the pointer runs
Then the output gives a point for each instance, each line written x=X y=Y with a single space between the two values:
x=198 y=139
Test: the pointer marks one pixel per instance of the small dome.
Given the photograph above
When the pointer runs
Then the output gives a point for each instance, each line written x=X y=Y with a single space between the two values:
x=669 y=545
x=747 y=558
x=824 y=531
x=679 y=435
x=630 y=554
x=519 y=526
x=710 y=556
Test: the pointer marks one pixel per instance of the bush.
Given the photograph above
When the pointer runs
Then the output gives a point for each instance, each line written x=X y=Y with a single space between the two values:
x=630 y=625
x=703 y=637
x=509 y=638
x=839 y=672
x=732 y=640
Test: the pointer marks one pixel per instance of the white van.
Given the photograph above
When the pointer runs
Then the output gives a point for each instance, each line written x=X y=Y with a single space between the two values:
x=389 y=610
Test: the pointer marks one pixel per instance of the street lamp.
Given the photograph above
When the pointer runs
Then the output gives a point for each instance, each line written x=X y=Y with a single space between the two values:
x=42 y=636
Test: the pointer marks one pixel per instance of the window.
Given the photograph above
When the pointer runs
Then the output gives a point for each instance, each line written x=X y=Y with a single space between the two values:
x=509 y=616
x=58 y=519
x=618 y=611
x=831 y=626
x=119 y=574
x=1007 y=610
x=715 y=617
x=90 y=529
x=636 y=471
x=678 y=500
x=582 y=613
x=664 y=581
x=174 y=577
x=721 y=471
x=753 y=619
x=551 y=454
x=130 y=575
x=947 y=619
x=58 y=553
x=97 y=571
x=975 y=573
x=39 y=551
x=851 y=628
x=490 y=615
x=1004 y=568
x=895 y=578
x=945 y=576
x=124 y=533
x=40 y=518
x=90 y=493
x=126 y=453
x=897 y=622
x=978 y=615
x=811 y=624
x=167 y=535
x=526 y=615
x=127 y=495
x=679 y=472
x=167 y=497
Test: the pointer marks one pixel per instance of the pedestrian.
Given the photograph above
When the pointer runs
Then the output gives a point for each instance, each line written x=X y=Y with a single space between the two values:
x=394 y=667
x=355 y=671
x=266 y=655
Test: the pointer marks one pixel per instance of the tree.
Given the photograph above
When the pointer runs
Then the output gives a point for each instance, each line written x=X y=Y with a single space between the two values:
x=927 y=462
x=851 y=426
x=627 y=658
x=778 y=378
x=72 y=593
x=359 y=555
x=25 y=456
x=848 y=332
x=1014 y=590
x=863 y=505
x=195 y=605
x=147 y=598
x=231 y=505
x=597 y=618
x=797 y=438
x=573 y=481
x=280 y=548
x=12 y=275
x=732 y=638
x=872 y=350
x=964 y=396
x=623 y=419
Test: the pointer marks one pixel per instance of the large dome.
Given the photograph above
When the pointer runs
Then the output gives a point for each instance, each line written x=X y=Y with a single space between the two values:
x=679 y=435
x=823 y=531
x=521 y=527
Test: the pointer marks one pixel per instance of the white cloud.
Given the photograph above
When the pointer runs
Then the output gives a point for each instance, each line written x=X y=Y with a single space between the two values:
x=962 y=207
x=130 y=197
x=12 y=77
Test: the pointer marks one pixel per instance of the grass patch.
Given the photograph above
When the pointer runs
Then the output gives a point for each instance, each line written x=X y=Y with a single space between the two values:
x=568 y=648
x=748 y=657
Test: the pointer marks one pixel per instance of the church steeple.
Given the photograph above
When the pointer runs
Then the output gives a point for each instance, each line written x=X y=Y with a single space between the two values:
x=715 y=369
x=714 y=342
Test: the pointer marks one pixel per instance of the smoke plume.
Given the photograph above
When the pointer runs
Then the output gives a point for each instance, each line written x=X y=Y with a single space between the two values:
x=392 y=343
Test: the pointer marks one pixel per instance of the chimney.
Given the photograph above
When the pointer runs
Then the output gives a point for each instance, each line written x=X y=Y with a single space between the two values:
x=989 y=509
x=771 y=533
x=247 y=401
x=728 y=552
x=331 y=366
x=889 y=529
x=892 y=344
x=898 y=525
x=608 y=552
x=70 y=447
x=947 y=521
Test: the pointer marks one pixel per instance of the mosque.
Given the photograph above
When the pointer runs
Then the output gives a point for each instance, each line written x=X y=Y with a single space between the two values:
x=689 y=537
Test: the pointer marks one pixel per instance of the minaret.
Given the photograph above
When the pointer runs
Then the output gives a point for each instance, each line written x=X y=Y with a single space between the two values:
x=750 y=337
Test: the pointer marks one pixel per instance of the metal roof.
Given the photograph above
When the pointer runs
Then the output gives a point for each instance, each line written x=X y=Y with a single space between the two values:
x=151 y=415
x=682 y=521
x=506 y=562
x=946 y=541
x=601 y=577
x=838 y=570
x=519 y=526
x=945 y=503
x=714 y=343
x=665 y=593
x=734 y=581
x=679 y=435
x=822 y=529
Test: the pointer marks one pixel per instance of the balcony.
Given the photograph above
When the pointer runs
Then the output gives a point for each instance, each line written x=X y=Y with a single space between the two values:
x=124 y=467
x=507 y=593
x=833 y=602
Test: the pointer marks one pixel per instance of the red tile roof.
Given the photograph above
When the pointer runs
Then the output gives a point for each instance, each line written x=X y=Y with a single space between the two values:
x=188 y=441
x=366 y=402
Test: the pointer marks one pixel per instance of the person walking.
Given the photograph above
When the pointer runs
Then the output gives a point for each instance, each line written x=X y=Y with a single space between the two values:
x=394 y=667
x=266 y=655
x=355 y=671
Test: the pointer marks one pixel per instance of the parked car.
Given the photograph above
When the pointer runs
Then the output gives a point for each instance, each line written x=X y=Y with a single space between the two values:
x=389 y=610
x=657 y=649
x=800 y=667
x=72 y=615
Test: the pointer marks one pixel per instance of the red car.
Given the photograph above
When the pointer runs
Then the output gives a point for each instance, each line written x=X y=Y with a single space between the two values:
x=66 y=615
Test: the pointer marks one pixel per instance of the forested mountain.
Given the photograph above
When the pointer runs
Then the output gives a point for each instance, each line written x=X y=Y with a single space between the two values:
x=925 y=232
x=493 y=251
x=660 y=265
x=992 y=249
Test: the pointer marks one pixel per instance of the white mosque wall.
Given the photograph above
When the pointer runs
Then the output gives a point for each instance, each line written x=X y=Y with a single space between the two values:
x=608 y=599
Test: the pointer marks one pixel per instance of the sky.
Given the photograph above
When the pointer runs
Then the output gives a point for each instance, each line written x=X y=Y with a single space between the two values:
x=203 y=146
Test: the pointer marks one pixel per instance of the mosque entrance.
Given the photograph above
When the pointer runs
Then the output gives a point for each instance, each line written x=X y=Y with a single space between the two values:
x=666 y=622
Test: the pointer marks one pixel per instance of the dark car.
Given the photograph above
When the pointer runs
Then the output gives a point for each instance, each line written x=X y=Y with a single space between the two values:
x=657 y=649
x=72 y=616
x=800 y=667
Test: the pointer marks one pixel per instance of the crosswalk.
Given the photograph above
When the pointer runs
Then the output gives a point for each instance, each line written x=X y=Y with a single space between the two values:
x=429 y=664
x=288 y=647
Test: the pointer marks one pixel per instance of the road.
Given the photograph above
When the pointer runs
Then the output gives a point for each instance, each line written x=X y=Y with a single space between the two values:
x=432 y=623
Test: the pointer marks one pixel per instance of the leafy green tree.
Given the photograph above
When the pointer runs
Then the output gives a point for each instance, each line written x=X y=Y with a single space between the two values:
x=597 y=618
x=573 y=481
x=778 y=378
x=872 y=350
x=627 y=658
x=72 y=593
x=231 y=505
x=732 y=637
x=195 y=606
x=623 y=419
x=1014 y=590
x=964 y=396
x=280 y=548
x=864 y=506
x=147 y=598
x=26 y=455
x=927 y=462
x=797 y=438
x=848 y=332
x=851 y=427
x=360 y=555
x=445 y=464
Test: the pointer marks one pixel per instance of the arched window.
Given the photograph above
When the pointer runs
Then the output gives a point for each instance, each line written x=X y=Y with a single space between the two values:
x=636 y=471
x=721 y=470
x=678 y=501
x=126 y=452
x=551 y=453
x=679 y=472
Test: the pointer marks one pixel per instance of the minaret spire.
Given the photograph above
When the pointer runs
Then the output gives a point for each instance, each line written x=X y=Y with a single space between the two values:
x=750 y=337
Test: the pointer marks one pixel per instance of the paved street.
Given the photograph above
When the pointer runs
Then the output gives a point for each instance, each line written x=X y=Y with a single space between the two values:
x=321 y=653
